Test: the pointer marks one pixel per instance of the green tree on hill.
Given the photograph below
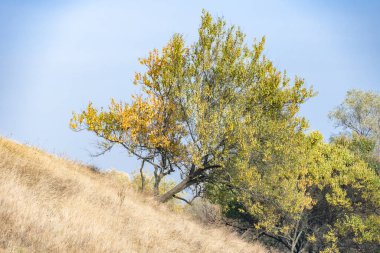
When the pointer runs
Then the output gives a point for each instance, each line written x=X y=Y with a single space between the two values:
x=202 y=106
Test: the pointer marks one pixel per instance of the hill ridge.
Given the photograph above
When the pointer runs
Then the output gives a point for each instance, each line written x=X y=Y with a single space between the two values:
x=48 y=203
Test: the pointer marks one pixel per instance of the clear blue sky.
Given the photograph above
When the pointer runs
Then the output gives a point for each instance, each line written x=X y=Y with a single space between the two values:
x=55 y=56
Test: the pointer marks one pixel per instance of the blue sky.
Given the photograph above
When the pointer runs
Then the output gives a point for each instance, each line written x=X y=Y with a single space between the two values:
x=55 y=56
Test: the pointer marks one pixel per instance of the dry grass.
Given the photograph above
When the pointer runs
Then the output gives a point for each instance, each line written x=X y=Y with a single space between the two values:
x=49 y=204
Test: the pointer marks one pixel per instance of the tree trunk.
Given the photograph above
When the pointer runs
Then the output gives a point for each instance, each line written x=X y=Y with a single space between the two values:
x=157 y=180
x=176 y=189
x=142 y=176
x=191 y=179
x=156 y=189
x=293 y=249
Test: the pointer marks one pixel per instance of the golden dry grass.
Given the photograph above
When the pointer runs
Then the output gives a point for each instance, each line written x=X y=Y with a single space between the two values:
x=49 y=204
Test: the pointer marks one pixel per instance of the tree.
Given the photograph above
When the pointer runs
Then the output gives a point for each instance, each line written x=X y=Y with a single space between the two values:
x=222 y=116
x=321 y=198
x=202 y=107
x=359 y=115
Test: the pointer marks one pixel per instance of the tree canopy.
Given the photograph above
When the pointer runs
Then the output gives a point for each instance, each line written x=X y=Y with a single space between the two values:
x=202 y=106
x=359 y=113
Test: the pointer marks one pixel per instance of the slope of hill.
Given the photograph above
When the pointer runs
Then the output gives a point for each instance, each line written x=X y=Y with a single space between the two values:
x=50 y=204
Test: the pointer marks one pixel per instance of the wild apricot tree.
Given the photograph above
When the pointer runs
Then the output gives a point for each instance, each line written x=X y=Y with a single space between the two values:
x=202 y=107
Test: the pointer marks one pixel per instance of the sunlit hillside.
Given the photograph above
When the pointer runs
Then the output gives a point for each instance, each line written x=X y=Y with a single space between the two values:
x=49 y=204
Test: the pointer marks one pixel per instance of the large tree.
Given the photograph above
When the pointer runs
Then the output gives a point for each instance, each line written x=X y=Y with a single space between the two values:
x=202 y=107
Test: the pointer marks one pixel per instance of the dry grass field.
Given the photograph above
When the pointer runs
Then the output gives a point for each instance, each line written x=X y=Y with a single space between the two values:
x=50 y=204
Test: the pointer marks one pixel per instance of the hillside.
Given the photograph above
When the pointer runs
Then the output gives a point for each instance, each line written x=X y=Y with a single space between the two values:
x=50 y=204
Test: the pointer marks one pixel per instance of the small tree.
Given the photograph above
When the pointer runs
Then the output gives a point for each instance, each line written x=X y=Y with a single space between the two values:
x=359 y=115
x=202 y=107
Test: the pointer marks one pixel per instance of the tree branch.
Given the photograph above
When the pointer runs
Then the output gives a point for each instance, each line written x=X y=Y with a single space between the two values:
x=183 y=199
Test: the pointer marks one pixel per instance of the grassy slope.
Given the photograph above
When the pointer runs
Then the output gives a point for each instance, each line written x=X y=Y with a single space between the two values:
x=52 y=204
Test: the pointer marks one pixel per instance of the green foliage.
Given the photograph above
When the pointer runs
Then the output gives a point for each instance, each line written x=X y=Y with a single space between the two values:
x=359 y=113
x=361 y=146
x=314 y=198
x=203 y=106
